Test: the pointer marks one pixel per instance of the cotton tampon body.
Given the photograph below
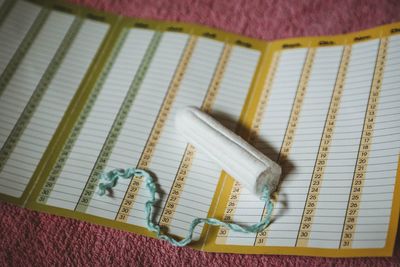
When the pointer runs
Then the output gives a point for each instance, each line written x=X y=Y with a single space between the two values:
x=233 y=154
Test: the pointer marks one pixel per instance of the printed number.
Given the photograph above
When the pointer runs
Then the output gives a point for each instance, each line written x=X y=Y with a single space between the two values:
x=124 y=210
x=348 y=235
x=263 y=233
x=345 y=243
x=304 y=234
x=349 y=227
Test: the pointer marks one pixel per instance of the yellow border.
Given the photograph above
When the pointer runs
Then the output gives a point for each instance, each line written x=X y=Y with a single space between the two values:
x=382 y=252
x=67 y=123
x=225 y=184
x=220 y=198
x=197 y=30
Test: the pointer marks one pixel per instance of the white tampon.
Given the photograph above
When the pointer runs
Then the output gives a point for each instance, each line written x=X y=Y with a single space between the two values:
x=234 y=155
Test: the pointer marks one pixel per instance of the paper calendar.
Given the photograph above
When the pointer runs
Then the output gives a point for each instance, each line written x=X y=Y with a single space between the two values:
x=83 y=92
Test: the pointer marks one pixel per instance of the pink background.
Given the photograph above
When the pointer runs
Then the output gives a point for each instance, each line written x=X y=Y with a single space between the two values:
x=32 y=238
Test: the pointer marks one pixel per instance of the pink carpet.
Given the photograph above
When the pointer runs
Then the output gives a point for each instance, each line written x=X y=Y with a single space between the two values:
x=31 y=238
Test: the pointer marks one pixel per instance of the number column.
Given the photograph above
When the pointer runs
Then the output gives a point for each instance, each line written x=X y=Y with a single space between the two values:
x=261 y=238
x=155 y=134
x=364 y=150
x=187 y=159
x=235 y=192
x=120 y=119
x=320 y=164
x=229 y=212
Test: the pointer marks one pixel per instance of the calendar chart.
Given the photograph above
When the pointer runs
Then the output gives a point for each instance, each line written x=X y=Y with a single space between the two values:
x=324 y=126
x=84 y=92
x=38 y=86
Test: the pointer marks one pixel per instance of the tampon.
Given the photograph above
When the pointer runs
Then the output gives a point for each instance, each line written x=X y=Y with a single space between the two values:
x=233 y=154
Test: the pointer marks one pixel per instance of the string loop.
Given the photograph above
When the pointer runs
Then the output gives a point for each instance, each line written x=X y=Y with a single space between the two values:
x=111 y=179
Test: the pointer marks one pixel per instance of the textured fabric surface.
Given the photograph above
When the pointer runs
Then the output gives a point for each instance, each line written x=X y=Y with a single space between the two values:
x=31 y=238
